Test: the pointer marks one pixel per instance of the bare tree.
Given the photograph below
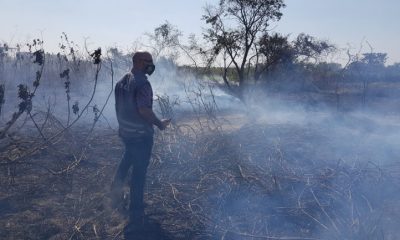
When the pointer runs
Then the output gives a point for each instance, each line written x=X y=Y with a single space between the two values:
x=166 y=42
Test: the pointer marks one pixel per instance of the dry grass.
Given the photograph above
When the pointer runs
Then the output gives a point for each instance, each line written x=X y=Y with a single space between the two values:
x=259 y=181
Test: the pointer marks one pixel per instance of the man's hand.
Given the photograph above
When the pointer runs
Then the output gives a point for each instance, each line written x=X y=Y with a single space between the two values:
x=151 y=118
x=164 y=124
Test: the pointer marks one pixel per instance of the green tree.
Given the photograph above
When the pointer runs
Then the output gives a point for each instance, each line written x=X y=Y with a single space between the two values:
x=276 y=50
x=235 y=27
x=374 y=59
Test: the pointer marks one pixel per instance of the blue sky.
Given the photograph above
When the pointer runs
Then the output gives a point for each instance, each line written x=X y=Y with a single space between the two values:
x=121 y=22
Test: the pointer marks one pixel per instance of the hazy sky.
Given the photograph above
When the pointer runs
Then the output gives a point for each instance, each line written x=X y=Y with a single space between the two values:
x=121 y=22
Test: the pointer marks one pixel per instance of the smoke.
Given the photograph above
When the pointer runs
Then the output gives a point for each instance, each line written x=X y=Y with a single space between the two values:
x=285 y=166
x=312 y=152
x=307 y=169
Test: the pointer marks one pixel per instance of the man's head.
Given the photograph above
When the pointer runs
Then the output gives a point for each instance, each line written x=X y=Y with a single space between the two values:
x=143 y=62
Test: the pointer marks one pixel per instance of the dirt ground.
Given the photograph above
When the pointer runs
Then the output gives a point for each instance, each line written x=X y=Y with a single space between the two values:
x=240 y=178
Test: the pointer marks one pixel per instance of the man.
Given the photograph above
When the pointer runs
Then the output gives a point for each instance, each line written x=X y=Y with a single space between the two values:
x=133 y=103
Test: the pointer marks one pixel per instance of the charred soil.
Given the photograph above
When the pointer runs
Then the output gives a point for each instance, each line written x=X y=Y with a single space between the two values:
x=256 y=180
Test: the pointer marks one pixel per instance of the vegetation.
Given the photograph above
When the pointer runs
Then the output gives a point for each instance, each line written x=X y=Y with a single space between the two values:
x=220 y=171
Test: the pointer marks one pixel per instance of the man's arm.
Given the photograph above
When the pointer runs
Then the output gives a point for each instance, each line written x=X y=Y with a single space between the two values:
x=151 y=118
x=144 y=100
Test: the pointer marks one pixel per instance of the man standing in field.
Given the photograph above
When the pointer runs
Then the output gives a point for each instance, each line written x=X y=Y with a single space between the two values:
x=133 y=104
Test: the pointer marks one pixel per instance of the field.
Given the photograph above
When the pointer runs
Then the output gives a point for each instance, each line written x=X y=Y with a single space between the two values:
x=244 y=178
x=283 y=166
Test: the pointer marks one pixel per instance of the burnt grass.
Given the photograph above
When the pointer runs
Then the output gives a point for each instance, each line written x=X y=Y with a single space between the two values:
x=252 y=180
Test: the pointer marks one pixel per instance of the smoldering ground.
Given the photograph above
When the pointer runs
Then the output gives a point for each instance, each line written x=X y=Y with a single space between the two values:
x=324 y=177
x=273 y=168
x=319 y=172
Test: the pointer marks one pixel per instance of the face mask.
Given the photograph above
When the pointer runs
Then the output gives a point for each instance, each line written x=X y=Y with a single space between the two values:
x=149 y=69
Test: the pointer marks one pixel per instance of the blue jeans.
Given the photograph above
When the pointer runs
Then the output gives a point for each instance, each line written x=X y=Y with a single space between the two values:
x=137 y=155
